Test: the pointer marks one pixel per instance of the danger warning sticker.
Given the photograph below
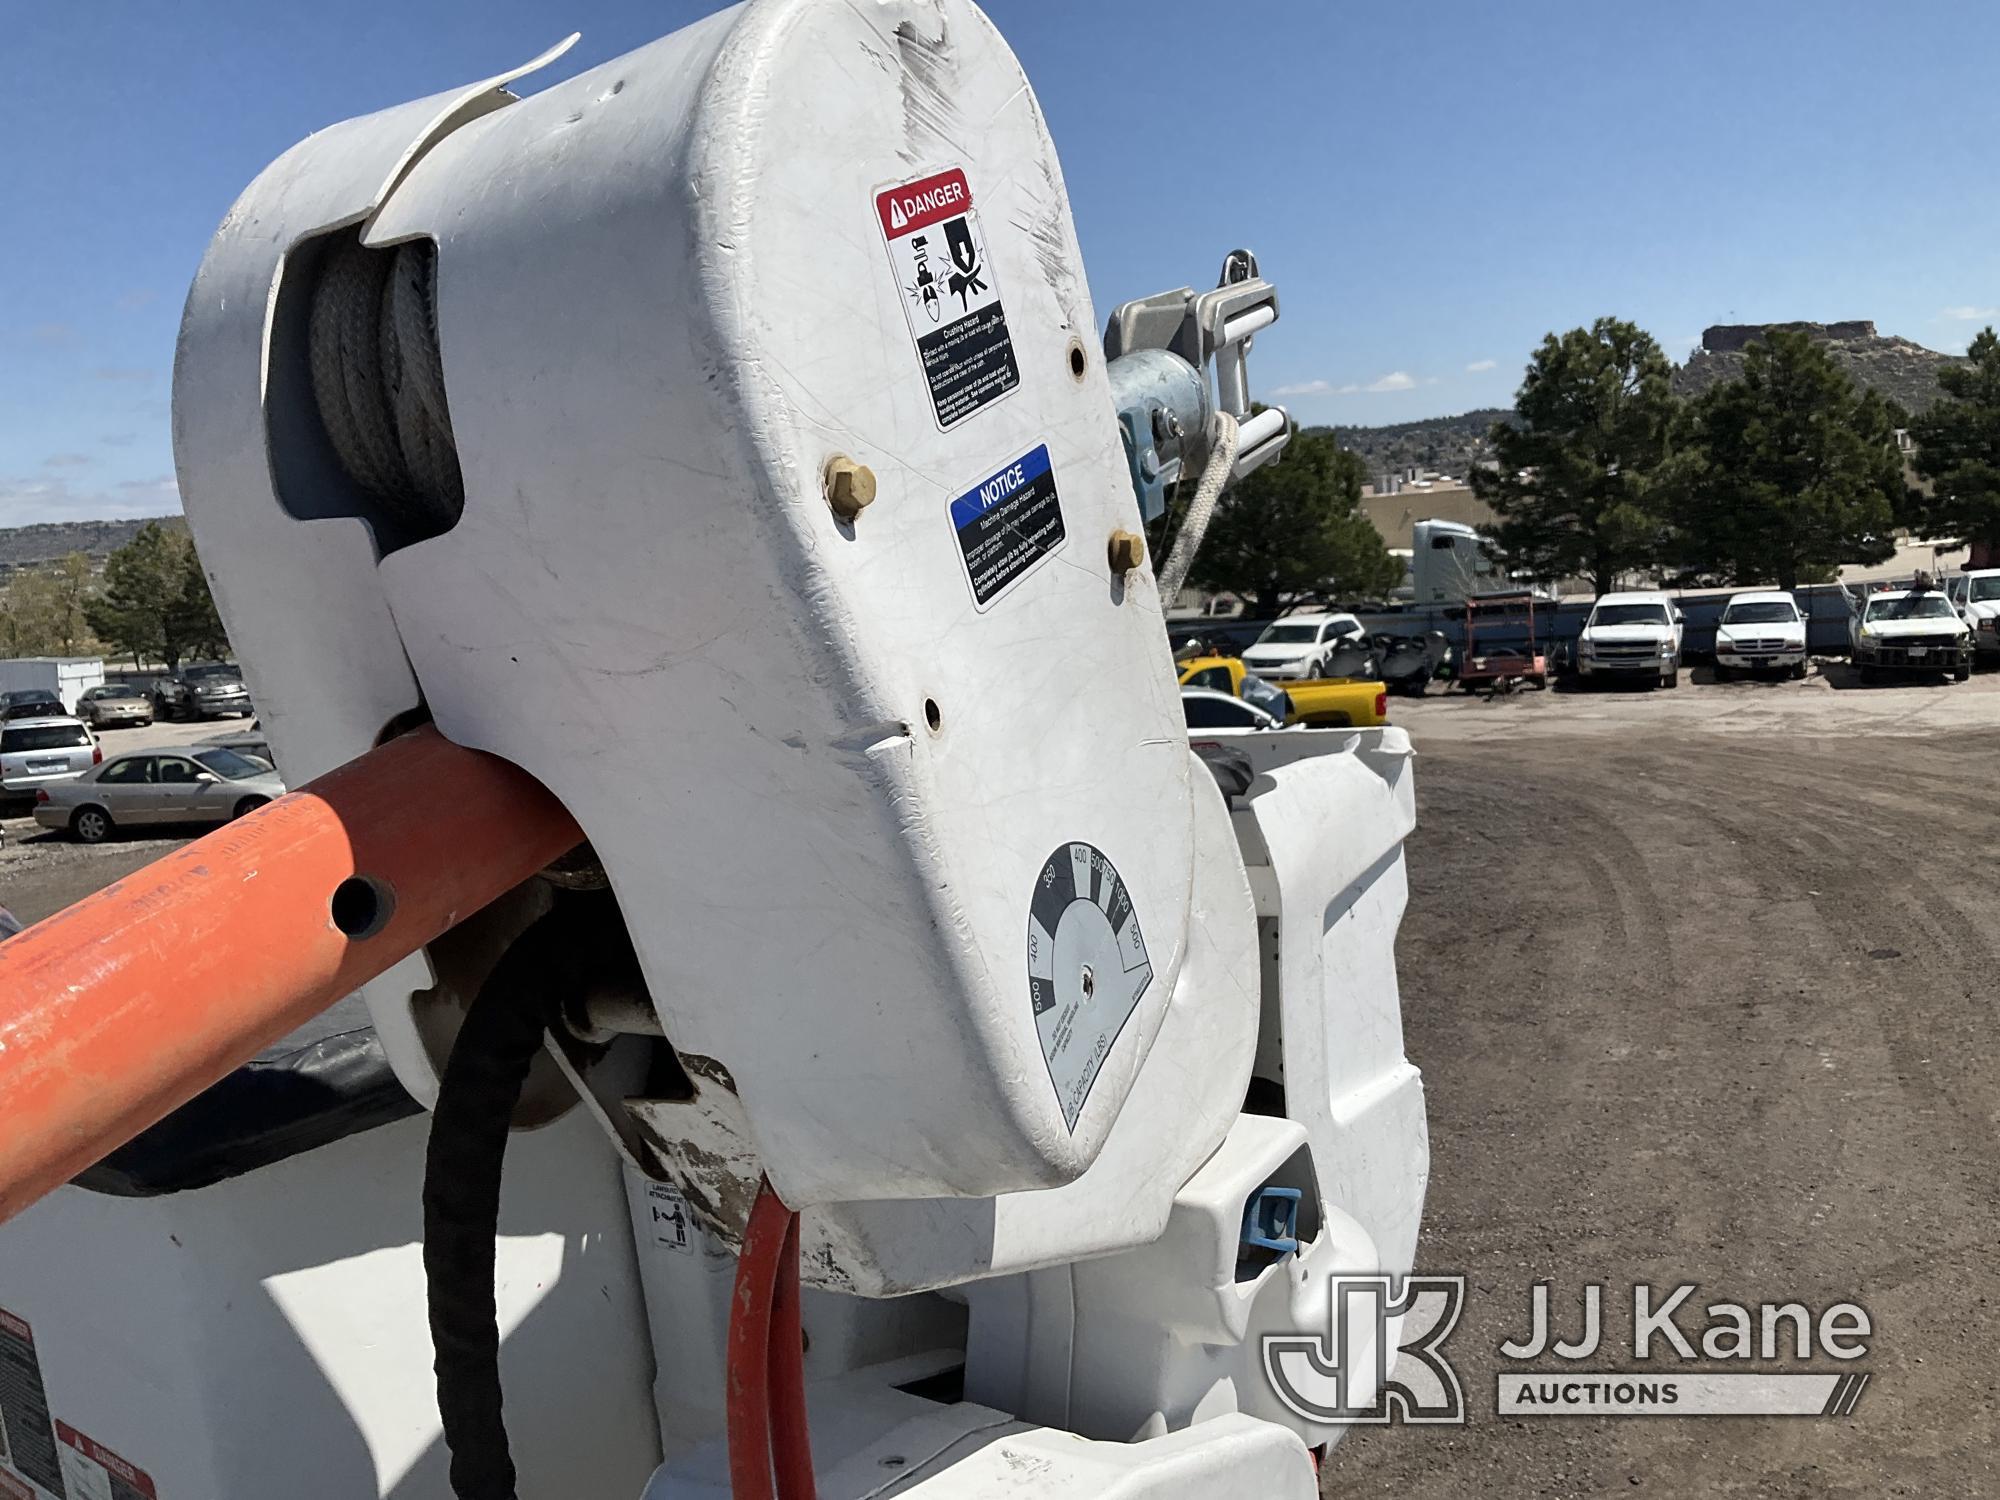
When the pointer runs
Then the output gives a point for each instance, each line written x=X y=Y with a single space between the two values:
x=94 y=1472
x=1007 y=523
x=949 y=294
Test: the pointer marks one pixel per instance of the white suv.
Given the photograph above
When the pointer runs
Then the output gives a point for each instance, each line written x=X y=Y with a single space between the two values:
x=1296 y=646
x=1632 y=636
x=34 y=752
x=1760 y=633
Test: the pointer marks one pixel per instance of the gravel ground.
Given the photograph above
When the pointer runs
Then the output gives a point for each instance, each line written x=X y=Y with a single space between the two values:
x=1702 y=986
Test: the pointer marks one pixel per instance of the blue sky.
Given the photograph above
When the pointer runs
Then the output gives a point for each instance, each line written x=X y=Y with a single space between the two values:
x=1433 y=186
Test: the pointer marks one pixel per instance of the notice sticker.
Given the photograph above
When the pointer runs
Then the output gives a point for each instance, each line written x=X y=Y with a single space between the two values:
x=1007 y=523
x=949 y=294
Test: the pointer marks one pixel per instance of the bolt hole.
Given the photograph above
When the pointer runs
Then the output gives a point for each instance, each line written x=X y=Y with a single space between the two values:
x=1089 y=982
x=1078 y=362
x=933 y=715
x=894 y=1461
x=361 y=906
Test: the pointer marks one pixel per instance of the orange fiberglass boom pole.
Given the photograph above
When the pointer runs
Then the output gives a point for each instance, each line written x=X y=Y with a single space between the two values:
x=126 y=1005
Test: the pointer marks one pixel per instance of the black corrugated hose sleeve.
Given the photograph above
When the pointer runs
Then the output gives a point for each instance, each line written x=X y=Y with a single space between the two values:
x=579 y=943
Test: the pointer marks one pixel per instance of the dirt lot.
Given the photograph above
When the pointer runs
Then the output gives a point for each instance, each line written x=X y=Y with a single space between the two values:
x=1701 y=982
x=1702 y=986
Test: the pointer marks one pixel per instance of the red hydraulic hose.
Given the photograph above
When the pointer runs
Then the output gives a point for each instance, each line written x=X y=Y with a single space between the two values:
x=748 y=1392
x=791 y=1443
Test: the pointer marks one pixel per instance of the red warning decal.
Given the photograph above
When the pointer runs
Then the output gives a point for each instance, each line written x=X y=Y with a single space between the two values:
x=918 y=205
x=950 y=295
x=93 y=1469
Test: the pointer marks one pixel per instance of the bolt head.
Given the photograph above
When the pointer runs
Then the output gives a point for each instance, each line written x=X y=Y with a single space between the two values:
x=850 y=486
x=1126 y=551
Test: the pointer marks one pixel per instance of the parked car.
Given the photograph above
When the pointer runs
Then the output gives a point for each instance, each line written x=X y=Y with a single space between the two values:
x=1354 y=705
x=1762 y=632
x=1975 y=595
x=37 y=752
x=1297 y=645
x=254 y=745
x=207 y=690
x=1909 y=630
x=31 y=703
x=114 y=706
x=1205 y=708
x=206 y=784
x=1633 y=636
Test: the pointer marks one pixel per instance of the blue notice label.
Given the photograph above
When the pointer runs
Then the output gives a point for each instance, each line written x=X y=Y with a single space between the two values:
x=1007 y=523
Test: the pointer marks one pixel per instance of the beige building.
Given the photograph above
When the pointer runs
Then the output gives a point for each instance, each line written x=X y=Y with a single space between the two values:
x=1396 y=509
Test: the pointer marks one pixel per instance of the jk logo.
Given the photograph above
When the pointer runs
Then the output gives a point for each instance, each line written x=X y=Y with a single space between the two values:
x=1380 y=1359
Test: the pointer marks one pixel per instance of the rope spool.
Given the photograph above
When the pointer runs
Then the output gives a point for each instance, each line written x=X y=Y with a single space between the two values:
x=378 y=380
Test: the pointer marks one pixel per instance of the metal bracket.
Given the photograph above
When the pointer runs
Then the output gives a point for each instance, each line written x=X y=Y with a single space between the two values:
x=1217 y=325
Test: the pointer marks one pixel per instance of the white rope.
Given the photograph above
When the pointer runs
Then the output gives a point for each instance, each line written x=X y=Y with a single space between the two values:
x=1194 y=525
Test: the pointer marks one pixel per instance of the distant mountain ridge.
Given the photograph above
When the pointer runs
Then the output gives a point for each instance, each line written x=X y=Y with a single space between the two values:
x=1444 y=445
x=46 y=541
x=1899 y=368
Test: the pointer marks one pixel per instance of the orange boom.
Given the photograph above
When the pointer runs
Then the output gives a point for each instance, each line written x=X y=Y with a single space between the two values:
x=125 y=1006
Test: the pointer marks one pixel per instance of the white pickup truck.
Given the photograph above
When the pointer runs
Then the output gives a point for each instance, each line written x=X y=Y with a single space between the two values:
x=1633 y=636
x=1762 y=632
x=1909 y=630
x=1975 y=595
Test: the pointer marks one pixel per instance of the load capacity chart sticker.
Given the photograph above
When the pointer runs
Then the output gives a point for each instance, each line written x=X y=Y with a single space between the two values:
x=1007 y=523
x=1087 y=967
x=949 y=294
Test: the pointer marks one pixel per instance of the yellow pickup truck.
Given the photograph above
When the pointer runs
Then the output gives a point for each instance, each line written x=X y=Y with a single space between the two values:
x=1340 y=704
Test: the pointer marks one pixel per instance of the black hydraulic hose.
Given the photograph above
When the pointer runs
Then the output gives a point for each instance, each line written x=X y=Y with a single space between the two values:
x=578 y=945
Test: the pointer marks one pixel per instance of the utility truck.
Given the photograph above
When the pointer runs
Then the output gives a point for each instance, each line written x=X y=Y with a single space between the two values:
x=915 y=1075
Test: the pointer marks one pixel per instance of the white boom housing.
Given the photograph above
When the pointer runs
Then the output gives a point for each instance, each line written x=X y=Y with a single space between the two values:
x=827 y=764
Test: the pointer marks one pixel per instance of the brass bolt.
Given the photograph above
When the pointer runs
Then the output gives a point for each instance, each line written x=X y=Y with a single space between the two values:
x=1127 y=551
x=850 y=487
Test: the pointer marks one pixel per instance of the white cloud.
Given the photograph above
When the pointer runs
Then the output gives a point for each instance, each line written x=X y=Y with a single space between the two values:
x=66 y=460
x=25 y=501
x=126 y=374
x=1968 y=314
x=1479 y=366
x=1395 y=380
x=133 y=300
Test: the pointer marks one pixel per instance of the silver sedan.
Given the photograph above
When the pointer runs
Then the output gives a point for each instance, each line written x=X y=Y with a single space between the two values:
x=207 y=784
